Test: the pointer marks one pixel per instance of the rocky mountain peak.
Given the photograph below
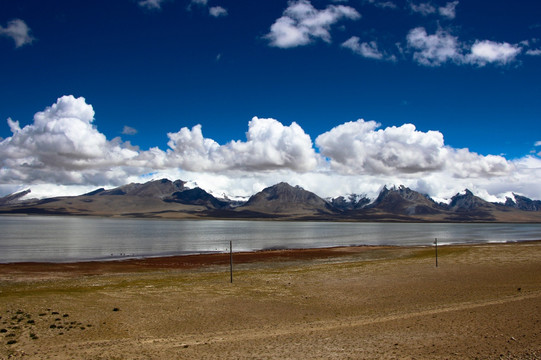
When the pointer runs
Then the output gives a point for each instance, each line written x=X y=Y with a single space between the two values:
x=14 y=198
x=283 y=197
x=523 y=203
x=152 y=189
x=404 y=200
x=467 y=201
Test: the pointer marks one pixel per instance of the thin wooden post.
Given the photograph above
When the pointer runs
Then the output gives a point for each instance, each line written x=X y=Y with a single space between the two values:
x=436 y=243
x=231 y=259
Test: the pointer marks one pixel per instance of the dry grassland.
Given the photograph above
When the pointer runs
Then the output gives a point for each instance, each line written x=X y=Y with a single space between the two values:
x=482 y=302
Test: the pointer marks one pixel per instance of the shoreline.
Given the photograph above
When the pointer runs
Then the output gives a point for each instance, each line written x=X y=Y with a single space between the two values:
x=209 y=260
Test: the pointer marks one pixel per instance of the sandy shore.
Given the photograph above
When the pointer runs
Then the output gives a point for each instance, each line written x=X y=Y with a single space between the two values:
x=482 y=302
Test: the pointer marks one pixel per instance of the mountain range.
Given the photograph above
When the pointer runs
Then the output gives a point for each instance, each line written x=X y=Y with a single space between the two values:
x=173 y=199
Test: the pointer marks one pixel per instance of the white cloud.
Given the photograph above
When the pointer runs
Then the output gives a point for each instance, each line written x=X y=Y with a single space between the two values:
x=358 y=148
x=433 y=50
x=199 y=2
x=62 y=152
x=217 y=11
x=366 y=49
x=449 y=10
x=383 y=4
x=128 y=130
x=18 y=31
x=534 y=52
x=386 y=5
x=423 y=8
x=302 y=24
x=62 y=146
x=484 y=52
x=426 y=9
x=442 y=47
x=269 y=146
x=151 y=4
x=361 y=148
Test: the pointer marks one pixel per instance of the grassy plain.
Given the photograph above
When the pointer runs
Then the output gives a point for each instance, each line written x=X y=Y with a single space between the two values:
x=481 y=302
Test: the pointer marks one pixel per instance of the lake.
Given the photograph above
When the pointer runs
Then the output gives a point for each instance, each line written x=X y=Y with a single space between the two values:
x=70 y=238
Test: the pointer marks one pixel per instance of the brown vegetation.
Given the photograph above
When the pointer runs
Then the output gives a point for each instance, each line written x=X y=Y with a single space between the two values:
x=361 y=302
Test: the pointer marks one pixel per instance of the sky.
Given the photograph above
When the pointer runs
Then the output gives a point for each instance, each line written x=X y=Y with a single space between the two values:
x=337 y=96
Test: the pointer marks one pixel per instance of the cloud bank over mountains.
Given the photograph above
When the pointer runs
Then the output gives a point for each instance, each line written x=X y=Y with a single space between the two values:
x=62 y=147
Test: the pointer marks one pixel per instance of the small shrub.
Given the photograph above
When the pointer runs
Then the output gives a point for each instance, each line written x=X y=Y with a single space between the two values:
x=11 y=342
x=116 y=309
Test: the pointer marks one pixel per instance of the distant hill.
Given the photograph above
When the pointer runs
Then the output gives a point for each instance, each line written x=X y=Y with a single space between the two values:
x=196 y=196
x=403 y=200
x=13 y=198
x=152 y=189
x=172 y=199
x=284 y=199
x=349 y=202
x=523 y=203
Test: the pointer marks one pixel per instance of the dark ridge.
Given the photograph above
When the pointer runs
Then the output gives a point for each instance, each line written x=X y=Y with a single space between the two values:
x=95 y=192
x=197 y=196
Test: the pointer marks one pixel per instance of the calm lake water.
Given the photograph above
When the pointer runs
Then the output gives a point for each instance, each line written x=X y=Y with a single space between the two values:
x=64 y=239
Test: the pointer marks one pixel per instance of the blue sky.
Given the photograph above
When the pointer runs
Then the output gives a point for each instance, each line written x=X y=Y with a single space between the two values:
x=465 y=74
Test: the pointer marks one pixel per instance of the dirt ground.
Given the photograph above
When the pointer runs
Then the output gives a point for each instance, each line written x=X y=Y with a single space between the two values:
x=481 y=302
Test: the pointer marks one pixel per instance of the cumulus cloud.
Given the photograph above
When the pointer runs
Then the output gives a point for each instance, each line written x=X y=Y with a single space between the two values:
x=386 y=5
x=442 y=47
x=357 y=148
x=383 y=4
x=18 y=31
x=270 y=145
x=484 y=52
x=62 y=146
x=423 y=8
x=533 y=52
x=151 y=4
x=366 y=49
x=217 y=11
x=128 y=130
x=449 y=10
x=301 y=23
x=435 y=49
x=197 y=3
x=361 y=148
x=62 y=152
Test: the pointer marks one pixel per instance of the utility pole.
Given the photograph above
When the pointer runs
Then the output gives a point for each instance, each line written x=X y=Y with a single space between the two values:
x=231 y=259
x=436 y=243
